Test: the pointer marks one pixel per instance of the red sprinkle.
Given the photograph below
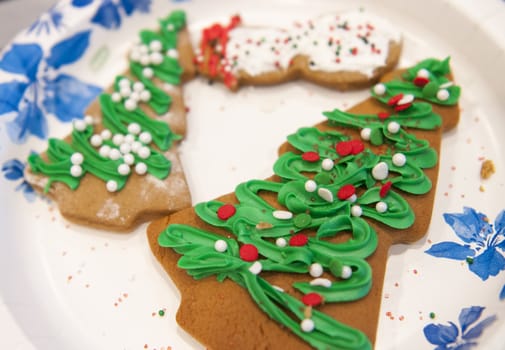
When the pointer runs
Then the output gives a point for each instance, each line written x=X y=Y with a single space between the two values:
x=395 y=99
x=346 y=191
x=343 y=148
x=298 y=240
x=248 y=252
x=312 y=299
x=421 y=81
x=403 y=107
x=357 y=146
x=385 y=189
x=226 y=211
x=310 y=156
x=383 y=115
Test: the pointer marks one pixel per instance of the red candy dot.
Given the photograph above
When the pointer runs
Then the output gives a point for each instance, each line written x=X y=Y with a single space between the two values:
x=248 y=252
x=383 y=115
x=399 y=108
x=226 y=211
x=312 y=299
x=385 y=189
x=357 y=146
x=346 y=191
x=421 y=81
x=298 y=240
x=310 y=156
x=343 y=148
x=394 y=100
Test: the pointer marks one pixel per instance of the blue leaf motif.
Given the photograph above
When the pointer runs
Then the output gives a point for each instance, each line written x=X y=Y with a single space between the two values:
x=450 y=250
x=476 y=331
x=69 y=50
x=499 y=223
x=30 y=120
x=439 y=334
x=467 y=225
x=502 y=293
x=68 y=97
x=468 y=316
x=10 y=95
x=107 y=15
x=27 y=190
x=132 y=5
x=489 y=263
x=81 y=3
x=22 y=59
x=13 y=169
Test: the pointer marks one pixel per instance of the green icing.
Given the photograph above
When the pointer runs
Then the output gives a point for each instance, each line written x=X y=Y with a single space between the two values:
x=160 y=101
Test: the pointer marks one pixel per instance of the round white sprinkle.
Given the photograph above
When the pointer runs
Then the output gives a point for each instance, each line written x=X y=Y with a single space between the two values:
x=145 y=137
x=307 y=325
x=75 y=170
x=380 y=171
x=356 y=210
x=220 y=246
x=125 y=91
x=114 y=154
x=111 y=186
x=145 y=95
x=134 y=128
x=123 y=169
x=125 y=148
x=96 y=140
x=89 y=120
x=79 y=125
x=399 y=159
x=381 y=207
x=155 y=45
x=379 y=89
x=255 y=268
x=138 y=86
x=129 y=139
x=325 y=194
x=129 y=159
x=310 y=186
x=423 y=73
x=316 y=270
x=352 y=198
x=281 y=242
x=104 y=151
x=116 y=97
x=141 y=168
x=76 y=158
x=135 y=55
x=282 y=214
x=130 y=104
x=124 y=83
x=393 y=127
x=366 y=133
x=409 y=98
x=323 y=282
x=327 y=164
x=135 y=96
x=173 y=53
x=136 y=146
x=346 y=272
x=156 y=58
x=443 y=94
x=147 y=72
x=143 y=48
x=144 y=152
x=118 y=139
x=106 y=134
x=145 y=59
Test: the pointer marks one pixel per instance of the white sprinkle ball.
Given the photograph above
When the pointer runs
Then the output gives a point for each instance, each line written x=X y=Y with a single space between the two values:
x=104 y=151
x=255 y=268
x=307 y=325
x=124 y=83
x=125 y=148
x=106 y=134
x=117 y=139
x=353 y=198
x=379 y=89
x=393 y=127
x=423 y=73
x=399 y=159
x=381 y=207
x=282 y=214
x=310 y=186
x=114 y=154
x=141 y=168
x=356 y=210
x=116 y=97
x=145 y=137
x=134 y=128
x=380 y=171
x=135 y=96
x=79 y=125
x=138 y=86
x=144 y=152
x=89 y=120
x=155 y=45
x=346 y=272
x=327 y=164
x=173 y=53
x=325 y=194
x=130 y=104
x=129 y=139
x=136 y=146
x=135 y=55
x=443 y=95
x=281 y=242
x=145 y=95
x=76 y=158
x=96 y=140
x=129 y=159
x=148 y=72
x=125 y=91
x=143 y=48
x=111 y=186
x=220 y=246
x=316 y=270
x=75 y=170
x=145 y=59
x=123 y=169
x=366 y=133
x=156 y=58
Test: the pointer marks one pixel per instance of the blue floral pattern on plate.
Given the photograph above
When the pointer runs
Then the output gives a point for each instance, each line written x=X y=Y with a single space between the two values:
x=450 y=336
x=13 y=170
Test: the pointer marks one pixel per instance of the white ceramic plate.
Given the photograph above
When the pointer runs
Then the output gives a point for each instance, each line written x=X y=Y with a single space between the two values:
x=67 y=287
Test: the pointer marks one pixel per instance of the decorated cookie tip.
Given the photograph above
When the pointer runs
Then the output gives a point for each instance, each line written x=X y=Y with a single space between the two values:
x=307 y=325
x=380 y=171
x=365 y=133
x=384 y=190
x=144 y=152
x=145 y=137
x=220 y=246
x=379 y=89
x=327 y=164
x=316 y=270
x=256 y=268
x=399 y=159
x=381 y=207
x=312 y=299
x=310 y=156
x=123 y=169
x=310 y=186
x=325 y=194
x=96 y=140
x=226 y=211
x=141 y=168
x=281 y=242
x=282 y=214
x=443 y=95
x=76 y=158
x=248 y=252
x=356 y=210
x=79 y=125
x=129 y=159
x=346 y=272
x=393 y=127
x=298 y=240
x=346 y=191
x=76 y=170
x=111 y=186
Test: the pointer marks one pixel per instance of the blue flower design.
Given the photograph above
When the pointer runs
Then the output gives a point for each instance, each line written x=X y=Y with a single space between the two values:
x=49 y=20
x=13 y=171
x=483 y=244
x=38 y=88
x=109 y=13
x=464 y=337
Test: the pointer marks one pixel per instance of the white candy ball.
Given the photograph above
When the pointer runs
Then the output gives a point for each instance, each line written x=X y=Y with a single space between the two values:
x=316 y=270
x=125 y=91
x=135 y=96
x=76 y=158
x=124 y=82
x=141 y=168
x=281 y=242
x=156 y=58
x=96 y=140
x=173 y=53
x=129 y=159
x=327 y=164
x=125 y=148
x=381 y=207
x=399 y=159
x=129 y=139
x=256 y=268
x=366 y=133
x=134 y=128
x=114 y=154
x=123 y=169
x=325 y=194
x=145 y=137
x=130 y=104
x=136 y=146
x=155 y=45
x=145 y=59
x=135 y=55
x=104 y=151
x=89 y=120
x=144 y=152
x=443 y=95
x=379 y=89
x=356 y=210
x=75 y=170
x=118 y=139
x=346 y=272
x=307 y=325
x=393 y=127
x=116 y=97
x=111 y=186
x=145 y=95
x=310 y=186
x=138 y=86
x=148 y=72
x=79 y=125
x=106 y=134
x=220 y=246
x=423 y=73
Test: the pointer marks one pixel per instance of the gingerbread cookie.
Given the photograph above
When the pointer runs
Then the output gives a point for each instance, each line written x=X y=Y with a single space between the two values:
x=343 y=51
x=298 y=260
x=119 y=167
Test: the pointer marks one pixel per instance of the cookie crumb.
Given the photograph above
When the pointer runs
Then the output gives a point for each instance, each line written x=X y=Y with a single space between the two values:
x=487 y=169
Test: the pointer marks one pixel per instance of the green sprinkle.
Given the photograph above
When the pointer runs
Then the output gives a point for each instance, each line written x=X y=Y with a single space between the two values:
x=432 y=315
x=469 y=260
x=161 y=313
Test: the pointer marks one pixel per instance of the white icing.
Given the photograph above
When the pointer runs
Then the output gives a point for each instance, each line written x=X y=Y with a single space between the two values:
x=282 y=214
x=257 y=50
x=325 y=194
x=380 y=171
x=109 y=210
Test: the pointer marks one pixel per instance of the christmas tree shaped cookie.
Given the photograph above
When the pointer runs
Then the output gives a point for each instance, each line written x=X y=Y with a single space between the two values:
x=298 y=260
